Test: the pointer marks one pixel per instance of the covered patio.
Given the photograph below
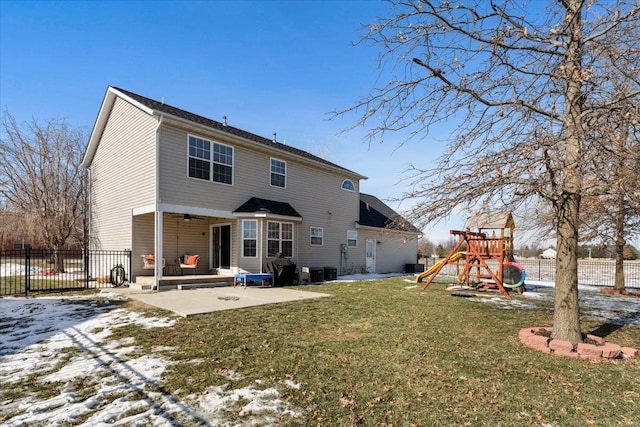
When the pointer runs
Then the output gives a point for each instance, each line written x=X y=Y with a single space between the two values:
x=163 y=242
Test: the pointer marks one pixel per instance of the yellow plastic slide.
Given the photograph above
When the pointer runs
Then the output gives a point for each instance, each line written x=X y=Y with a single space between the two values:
x=455 y=257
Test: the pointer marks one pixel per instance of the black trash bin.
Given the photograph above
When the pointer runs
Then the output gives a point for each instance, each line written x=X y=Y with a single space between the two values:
x=316 y=274
x=330 y=273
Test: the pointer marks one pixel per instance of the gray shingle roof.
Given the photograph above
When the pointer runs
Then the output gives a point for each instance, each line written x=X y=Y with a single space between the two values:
x=375 y=213
x=256 y=204
x=177 y=112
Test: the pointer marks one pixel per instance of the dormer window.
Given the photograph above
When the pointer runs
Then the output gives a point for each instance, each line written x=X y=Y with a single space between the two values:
x=348 y=185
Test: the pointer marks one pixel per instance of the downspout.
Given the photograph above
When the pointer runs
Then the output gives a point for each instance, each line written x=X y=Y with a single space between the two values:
x=157 y=269
x=87 y=230
x=87 y=214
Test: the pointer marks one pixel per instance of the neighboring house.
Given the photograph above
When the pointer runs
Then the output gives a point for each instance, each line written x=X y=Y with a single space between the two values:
x=548 y=254
x=12 y=232
x=168 y=182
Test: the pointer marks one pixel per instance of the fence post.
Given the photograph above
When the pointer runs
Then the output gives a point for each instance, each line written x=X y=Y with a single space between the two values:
x=539 y=269
x=27 y=271
x=130 y=265
x=86 y=267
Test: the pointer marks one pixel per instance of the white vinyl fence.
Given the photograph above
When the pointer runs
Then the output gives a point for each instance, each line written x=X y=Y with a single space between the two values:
x=590 y=271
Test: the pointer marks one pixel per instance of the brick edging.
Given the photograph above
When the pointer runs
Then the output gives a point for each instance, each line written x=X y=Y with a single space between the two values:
x=603 y=350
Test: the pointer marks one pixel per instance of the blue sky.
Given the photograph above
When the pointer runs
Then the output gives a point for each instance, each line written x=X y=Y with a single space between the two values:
x=269 y=66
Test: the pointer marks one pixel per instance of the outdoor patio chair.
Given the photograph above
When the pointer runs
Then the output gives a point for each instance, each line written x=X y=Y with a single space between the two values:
x=189 y=262
x=149 y=262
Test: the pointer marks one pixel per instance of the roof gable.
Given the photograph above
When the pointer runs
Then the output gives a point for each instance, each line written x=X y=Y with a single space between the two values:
x=375 y=213
x=256 y=205
x=154 y=107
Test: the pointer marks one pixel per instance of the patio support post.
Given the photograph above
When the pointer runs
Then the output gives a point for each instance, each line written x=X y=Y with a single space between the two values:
x=158 y=240
x=157 y=268
x=262 y=240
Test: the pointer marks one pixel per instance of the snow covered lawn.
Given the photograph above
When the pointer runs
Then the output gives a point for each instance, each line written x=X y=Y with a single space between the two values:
x=62 y=345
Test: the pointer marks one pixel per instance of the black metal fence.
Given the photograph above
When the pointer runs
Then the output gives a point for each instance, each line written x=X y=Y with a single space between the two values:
x=590 y=271
x=42 y=270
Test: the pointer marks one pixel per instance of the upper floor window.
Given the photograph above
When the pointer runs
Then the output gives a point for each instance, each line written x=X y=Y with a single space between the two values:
x=352 y=238
x=348 y=185
x=316 y=234
x=210 y=161
x=278 y=173
x=279 y=238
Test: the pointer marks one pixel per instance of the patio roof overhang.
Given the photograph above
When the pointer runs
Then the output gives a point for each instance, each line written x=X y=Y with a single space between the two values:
x=180 y=209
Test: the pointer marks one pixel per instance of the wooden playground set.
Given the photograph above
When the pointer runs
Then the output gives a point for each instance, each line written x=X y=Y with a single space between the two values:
x=476 y=250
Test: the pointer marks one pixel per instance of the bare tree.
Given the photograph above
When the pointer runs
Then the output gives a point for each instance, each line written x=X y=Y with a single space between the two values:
x=42 y=179
x=612 y=195
x=521 y=81
x=425 y=246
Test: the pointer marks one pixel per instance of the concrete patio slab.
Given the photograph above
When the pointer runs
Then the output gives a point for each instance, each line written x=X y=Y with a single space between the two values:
x=200 y=301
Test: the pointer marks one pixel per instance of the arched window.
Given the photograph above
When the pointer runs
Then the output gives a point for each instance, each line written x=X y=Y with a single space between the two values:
x=348 y=185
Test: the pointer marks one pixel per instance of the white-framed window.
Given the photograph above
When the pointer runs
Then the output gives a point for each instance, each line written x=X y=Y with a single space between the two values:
x=352 y=239
x=278 y=173
x=249 y=238
x=347 y=184
x=210 y=161
x=315 y=236
x=279 y=238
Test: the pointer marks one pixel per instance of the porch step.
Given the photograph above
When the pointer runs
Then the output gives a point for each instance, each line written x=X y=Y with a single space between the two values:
x=182 y=282
x=141 y=286
x=187 y=286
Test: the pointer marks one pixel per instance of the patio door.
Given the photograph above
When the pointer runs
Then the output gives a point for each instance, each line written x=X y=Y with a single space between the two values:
x=370 y=262
x=221 y=246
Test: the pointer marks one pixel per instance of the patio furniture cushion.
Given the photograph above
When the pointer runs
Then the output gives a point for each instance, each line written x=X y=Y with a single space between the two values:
x=149 y=261
x=189 y=261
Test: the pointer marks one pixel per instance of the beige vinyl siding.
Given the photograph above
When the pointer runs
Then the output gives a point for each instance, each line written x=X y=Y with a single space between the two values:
x=143 y=238
x=392 y=253
x=122 y=175
x=322 y=203
x=251 y=175
x=312 y=191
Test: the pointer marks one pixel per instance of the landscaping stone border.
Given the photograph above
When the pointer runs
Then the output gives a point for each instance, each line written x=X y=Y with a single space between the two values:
x=536 y=339
x=611 y=291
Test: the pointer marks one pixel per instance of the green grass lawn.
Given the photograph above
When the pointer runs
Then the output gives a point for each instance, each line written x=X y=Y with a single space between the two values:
x=378 y=354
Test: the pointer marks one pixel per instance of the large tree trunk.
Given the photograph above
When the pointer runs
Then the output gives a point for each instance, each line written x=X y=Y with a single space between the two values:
x=566 y=318
x=620 y=242
x=620 y=210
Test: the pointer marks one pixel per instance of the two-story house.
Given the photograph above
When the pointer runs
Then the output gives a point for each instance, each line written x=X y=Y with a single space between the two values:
x=168 y=182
